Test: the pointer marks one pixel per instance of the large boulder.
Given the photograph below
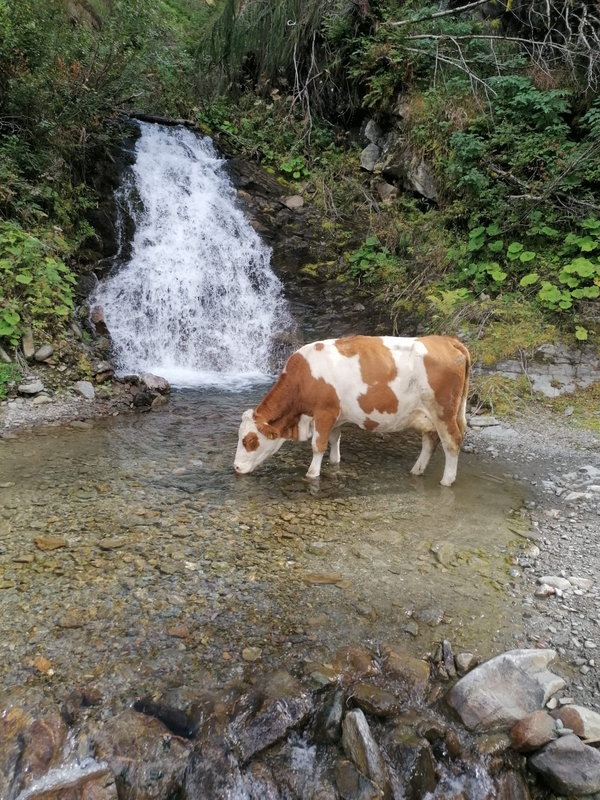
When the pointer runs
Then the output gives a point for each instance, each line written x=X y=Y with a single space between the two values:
x=154 y=383
x=402 y=165
x=568 y=766
x=361 y=748
x=503 y=690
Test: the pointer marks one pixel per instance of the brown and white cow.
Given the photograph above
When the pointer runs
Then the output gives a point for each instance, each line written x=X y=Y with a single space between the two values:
x=380 y=383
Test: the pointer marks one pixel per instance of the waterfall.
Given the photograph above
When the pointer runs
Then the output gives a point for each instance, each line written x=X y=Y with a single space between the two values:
x=197 y=302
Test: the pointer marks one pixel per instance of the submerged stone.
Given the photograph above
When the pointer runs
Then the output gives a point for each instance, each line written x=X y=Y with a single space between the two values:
x=360 y=746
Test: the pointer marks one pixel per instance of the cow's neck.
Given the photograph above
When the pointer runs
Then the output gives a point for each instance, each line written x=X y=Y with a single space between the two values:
x=281 y=408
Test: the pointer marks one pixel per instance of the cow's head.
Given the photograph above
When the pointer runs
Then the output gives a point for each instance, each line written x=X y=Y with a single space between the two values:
x=254 y=445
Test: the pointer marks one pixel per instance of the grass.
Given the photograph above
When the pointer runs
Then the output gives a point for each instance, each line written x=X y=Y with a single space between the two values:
x=9 y=373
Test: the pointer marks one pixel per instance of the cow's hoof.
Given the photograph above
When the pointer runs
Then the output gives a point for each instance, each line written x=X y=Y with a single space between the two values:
x=417 y=471
x=310 y=477
x=446 y=483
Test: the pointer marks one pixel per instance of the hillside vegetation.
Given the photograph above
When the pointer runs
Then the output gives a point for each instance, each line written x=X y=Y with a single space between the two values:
x=498 y=101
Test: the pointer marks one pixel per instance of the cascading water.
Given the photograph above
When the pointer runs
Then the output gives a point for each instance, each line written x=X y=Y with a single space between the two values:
x=198 y=302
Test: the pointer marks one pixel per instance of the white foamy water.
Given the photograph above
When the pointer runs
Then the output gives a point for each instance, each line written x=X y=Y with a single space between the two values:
x=198 y=302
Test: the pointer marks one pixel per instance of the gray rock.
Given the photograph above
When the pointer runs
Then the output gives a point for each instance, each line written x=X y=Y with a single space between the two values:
x=373 y=131
x=42 y=399
x=27 y=344
x=412 y=759
x=373 y=700
x=503 y=690
x=482 y=421
x=555 y=581
x=77 y=331
x=414 y=173
x=154 y=383
x=568 y=766
x=362 y=749
x=100 y=367
x=369 y=157
x=465 y=662
x=354 y=786
x=580 y=583
x=44 y=352
x=327 y=727
x=4 y=356
x=85 y=389
x=582 y=721
x=31 y=388
x=387 y=192
x=293 y=202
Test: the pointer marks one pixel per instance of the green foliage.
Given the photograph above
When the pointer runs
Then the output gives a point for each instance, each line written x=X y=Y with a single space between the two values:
x=35 y=285
x=295 y=167
x=9 y=373
x=373 y=262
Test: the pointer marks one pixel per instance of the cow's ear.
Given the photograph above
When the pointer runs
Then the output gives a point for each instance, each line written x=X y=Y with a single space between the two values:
x=267 y=430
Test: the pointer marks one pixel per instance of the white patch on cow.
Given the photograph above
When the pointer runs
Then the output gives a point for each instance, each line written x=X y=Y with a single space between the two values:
x=247 y=460
x=306 y=428
x=342 y=373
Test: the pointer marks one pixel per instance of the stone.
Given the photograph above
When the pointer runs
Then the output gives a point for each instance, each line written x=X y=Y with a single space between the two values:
x=50 y=542
x=430 y=616
x=87 y=780
x=532 y=732
x=154 y=383
x=4 y=356
x=283 y=705
x=482 y=421
x=27 y=344
x=44 y=352
x=555 y=581
x=353 y=662
x=145 y=758
x=581 y=583
x=43 y=741
x=159 y=402
x=327 y=725
x=372 y=132
x=410 y=674
x=179 y=632
x=503 y=690
x=412 y=759
x=387 y=192
x=582 y=721
x=35 y=387
x=41 y=664
x=465 y=662
x=407 y=167
x=85 y=389
x=293 y=202
x=112 y=543
x=251 y=653
x=568 y=766
x=41 y=400
x=369 y=157
x=97 y=317
x=545 y=590
x=511 y=786
x=352 y=785
x=373 y=700
x=360 y=747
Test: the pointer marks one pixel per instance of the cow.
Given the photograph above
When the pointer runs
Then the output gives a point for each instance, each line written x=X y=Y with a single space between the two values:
x=380 y=383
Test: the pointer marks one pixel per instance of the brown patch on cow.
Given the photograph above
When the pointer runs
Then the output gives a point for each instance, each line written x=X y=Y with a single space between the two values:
x=448 y=364
x=377 y=369
x=251 y=441
x=297 y=392
x=319 y=346
x=370 y=424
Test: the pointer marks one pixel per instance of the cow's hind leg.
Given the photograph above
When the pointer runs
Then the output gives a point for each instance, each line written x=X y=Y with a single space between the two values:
x=324 y=423
x=430 y=442
x=451 y=438
x=334 y=446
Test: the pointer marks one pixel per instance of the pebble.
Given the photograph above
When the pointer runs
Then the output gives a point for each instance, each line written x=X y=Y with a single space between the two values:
x=251 y=654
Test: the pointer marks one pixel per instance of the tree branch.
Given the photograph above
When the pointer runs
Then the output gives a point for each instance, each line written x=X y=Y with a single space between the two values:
x=447 y=13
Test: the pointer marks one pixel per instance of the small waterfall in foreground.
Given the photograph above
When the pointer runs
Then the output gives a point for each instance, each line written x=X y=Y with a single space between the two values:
x=198 y=302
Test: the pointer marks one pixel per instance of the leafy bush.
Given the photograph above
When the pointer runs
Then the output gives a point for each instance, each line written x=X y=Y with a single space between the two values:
x=35 y=285
x=373 y=262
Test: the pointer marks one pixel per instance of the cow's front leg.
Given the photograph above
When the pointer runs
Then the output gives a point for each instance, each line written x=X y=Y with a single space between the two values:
x=334 y=446
x=451 y=440
x=430 y=442
x=324 y=423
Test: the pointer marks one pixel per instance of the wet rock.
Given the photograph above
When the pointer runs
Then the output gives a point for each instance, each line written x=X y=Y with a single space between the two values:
x=568 y=766
x=327 y=723
x=444 y=551
x=154 y=383
x=85 y=389
x=448 y=658
x=276 y=704
x=158 y=402
x=293 y=202
x=42 y=746
x=86 y=781
x=145 y=758
x=532 y=732
x=373 y=700
x=582 y=721
x=143 y=400
x=503 y=690
x=465 y=662
x=44 y=352
x=27 y=344
x=14 y=721
x=352 y=785
x=411 y=674
x=353 y=662
x=213 y=772
x=511 y=786
x=97 y=318
x=453 y=745
x=41 y=664
x=369 y=157
x=360 y=747
x=493 y=744
x=413 y=762
x=35 y=387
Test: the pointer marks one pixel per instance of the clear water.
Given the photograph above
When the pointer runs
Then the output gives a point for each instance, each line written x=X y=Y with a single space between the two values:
x=198 y=302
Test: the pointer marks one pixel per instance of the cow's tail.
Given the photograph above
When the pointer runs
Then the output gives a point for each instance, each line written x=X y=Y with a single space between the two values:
x=461 y=418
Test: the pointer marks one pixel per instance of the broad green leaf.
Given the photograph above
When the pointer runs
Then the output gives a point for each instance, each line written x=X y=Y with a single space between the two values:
x=515 y=247
x=588 y=244
x=583 y=267
x=62 y=311
x=528 y=280
x=565 y=304
x=475 y=244
x=476 y=233
x=372 y=241
x=23 y=278
x=498 y=275
x=581 y=333
x=549 y=231
x=527 y=255
x=591 y=291
x=496 y=246
x=493 y=229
